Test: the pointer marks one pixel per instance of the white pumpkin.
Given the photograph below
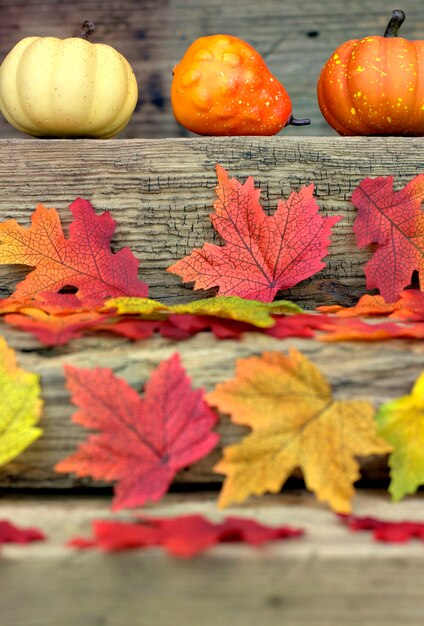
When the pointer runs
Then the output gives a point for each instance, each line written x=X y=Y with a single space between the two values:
x=71 y=87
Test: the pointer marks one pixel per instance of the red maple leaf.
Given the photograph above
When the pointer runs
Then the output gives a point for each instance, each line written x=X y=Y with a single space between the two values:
x=84 y=260
x=383 y=530
x=262 y=254
x=394 y=221
x=183 y=536
x=9 y=533
x=143 y=441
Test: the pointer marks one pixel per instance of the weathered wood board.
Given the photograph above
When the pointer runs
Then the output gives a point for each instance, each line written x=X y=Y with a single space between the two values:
x=161 y=194
x=330 y=576
x=294 y=38
x=374 y=372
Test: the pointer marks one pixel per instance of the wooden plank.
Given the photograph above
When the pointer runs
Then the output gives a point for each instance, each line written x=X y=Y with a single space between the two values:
x=161 y=193
x=330 y=576
x=295 y=39
x=375 y=372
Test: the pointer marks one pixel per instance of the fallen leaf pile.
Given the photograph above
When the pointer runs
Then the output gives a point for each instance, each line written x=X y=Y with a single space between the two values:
x=139 y=442
x=184 y=536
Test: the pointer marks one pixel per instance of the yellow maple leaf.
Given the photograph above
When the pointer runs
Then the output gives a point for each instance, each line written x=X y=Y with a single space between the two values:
x=20 y=406
x=401 y=423
x=296 y=422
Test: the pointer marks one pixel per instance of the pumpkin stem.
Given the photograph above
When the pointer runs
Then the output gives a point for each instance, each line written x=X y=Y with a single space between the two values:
x=295 y=122
x=396 y=21
x=87 y=29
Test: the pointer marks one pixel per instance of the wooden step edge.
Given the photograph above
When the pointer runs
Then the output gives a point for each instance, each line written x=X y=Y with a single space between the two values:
x=330 y=576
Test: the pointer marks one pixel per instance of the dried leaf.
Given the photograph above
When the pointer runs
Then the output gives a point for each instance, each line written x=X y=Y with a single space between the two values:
x=84 y=260
x=296 y=422
x=394 y=220
x=143 y=441
x=21 y=406
x=184 y=536
x=401 y=423
x=262 y=254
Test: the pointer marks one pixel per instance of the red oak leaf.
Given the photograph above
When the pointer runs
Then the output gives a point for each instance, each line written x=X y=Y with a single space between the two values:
x=183 y=536
x=84 y=260
x=9 y=533
x=395 y=221
x=262 y=254
x=389 y=531
x=143 y=441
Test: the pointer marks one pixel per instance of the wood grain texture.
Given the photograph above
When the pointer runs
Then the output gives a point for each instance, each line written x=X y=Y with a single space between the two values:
x=330 y=576
x=161 y=194
x=294 y=38
x=374 y=372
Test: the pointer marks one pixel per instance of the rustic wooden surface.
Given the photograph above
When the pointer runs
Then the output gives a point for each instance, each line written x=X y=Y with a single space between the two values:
x=329 y=577
x=161 y=194
x=295 y=38
x=374 y=372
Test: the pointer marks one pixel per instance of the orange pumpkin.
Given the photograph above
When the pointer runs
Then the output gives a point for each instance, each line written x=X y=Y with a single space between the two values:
x=375 y=85
x=222 y=86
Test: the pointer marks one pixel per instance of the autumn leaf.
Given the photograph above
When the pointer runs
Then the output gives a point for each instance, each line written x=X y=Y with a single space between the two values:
x=410 y=306
x=366 y=306
x=394 y=220
x=21 y=406
x=296 y=422
x=9 y=533
x=386 y=530
x=84 y=260
x=361 y=330
x=228 y=307
x=183 y=536
x=262 y=254
x=142 y=441
x=54 y=330
x=401 y=423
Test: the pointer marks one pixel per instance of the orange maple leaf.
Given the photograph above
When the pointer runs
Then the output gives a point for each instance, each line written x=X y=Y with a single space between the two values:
x=84 y=260
x=296 y=422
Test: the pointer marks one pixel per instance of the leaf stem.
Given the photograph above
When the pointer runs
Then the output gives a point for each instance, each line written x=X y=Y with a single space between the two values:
x=293 y=121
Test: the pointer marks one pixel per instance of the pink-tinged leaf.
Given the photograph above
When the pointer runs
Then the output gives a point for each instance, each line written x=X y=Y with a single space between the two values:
x=262 y=254
x=184 y=536
x=394 y=220
x=143 y=441
x=83 y=261
x=388 y=531
x=9 y=533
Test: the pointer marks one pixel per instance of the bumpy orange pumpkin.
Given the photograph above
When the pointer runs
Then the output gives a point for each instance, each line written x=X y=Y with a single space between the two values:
x=375 y=86
x=222 y=86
